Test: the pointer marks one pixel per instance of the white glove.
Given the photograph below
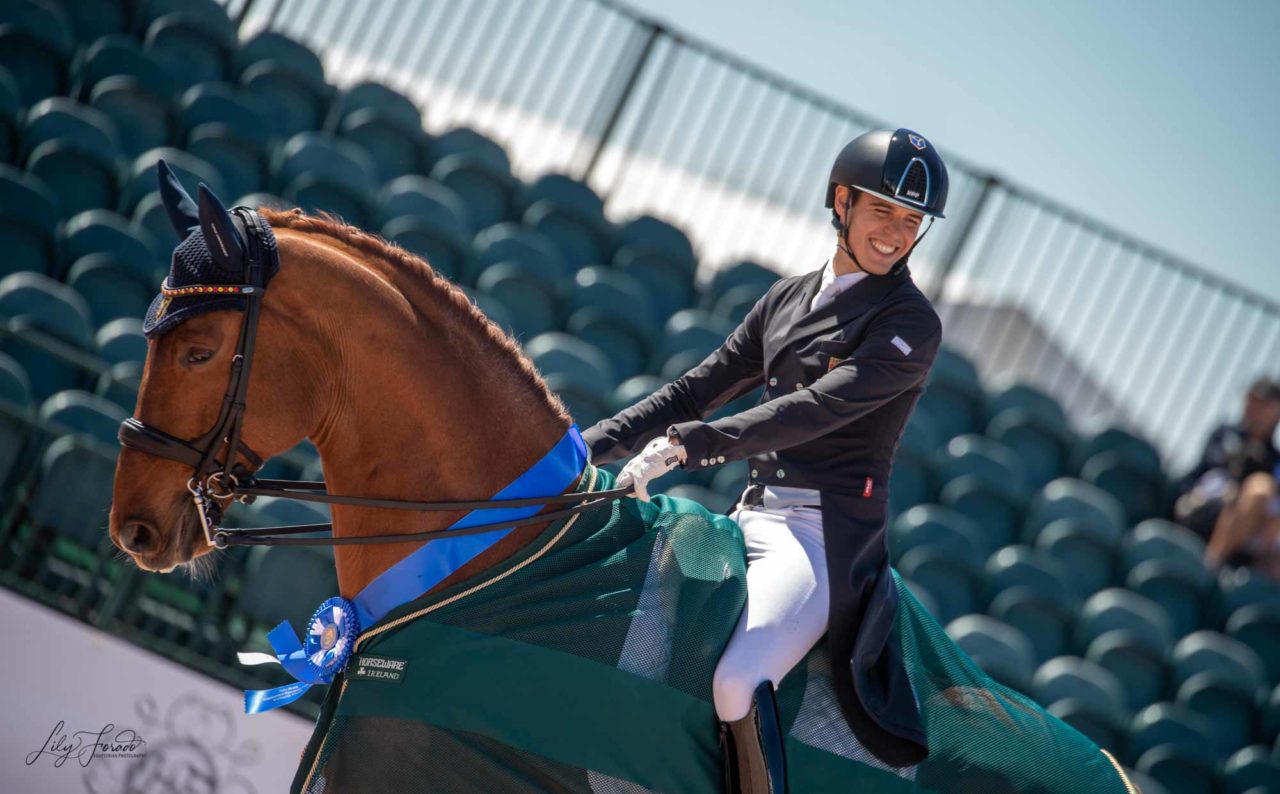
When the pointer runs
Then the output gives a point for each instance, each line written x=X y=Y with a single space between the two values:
x=657 y=458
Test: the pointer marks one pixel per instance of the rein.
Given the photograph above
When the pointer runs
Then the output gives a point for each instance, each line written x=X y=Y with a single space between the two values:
x=228 y=479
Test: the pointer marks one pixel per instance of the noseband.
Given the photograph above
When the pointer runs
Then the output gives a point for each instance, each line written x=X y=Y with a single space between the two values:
x=226 y=478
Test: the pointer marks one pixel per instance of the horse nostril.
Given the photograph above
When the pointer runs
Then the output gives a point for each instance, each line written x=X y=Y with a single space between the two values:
x=138 y=538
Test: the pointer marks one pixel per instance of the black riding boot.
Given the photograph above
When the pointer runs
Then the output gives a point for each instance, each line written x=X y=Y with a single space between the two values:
x=754 y=762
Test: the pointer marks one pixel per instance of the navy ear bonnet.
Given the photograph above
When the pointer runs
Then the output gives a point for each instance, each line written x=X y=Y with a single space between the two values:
x=223 y=253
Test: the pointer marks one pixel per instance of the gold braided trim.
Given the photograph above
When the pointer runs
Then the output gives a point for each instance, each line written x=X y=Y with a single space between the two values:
x=205 y=289
x=591 y=484
x=1128 y=784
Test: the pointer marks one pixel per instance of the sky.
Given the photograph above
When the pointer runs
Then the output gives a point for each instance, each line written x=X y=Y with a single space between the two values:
x=1159 y=118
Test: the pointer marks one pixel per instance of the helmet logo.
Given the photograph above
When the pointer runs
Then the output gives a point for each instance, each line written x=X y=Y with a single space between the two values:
x=917 y=141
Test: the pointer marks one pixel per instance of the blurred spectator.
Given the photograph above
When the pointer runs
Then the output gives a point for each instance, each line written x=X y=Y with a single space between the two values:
x=1230 y=498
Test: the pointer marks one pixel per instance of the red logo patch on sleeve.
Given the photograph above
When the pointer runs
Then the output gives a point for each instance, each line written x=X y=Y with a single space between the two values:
x=866 y=489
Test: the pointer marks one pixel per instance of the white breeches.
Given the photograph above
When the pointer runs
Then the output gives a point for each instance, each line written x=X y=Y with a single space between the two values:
x=787 y=598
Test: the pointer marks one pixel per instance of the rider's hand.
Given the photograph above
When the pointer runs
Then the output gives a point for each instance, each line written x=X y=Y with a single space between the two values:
x=660 y=456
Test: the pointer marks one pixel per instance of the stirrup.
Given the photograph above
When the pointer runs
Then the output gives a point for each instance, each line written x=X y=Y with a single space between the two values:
x=754 y=759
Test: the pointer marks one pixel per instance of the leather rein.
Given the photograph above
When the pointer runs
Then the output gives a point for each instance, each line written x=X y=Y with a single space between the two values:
x=215 y=479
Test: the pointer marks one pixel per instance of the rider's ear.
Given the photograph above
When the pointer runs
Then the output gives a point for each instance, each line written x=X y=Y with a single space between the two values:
x=220 y=235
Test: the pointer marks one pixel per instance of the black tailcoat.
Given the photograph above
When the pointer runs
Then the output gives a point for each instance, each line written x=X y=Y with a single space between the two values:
x=840 y=383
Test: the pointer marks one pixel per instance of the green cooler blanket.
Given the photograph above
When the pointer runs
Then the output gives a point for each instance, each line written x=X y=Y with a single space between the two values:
x=583 y=663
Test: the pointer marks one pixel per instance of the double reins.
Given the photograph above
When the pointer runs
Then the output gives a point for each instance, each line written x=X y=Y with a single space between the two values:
x=229 y=479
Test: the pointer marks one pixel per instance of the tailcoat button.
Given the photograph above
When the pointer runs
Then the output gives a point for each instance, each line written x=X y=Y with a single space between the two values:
x=755 y=473
x=773 y=381
x=781 y=474
x=799 y=386
x=703 y=462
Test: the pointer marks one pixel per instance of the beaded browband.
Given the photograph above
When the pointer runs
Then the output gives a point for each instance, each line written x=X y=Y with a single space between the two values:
x=205 y=289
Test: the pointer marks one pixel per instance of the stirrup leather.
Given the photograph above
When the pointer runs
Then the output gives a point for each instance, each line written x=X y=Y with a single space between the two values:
x=754 y=759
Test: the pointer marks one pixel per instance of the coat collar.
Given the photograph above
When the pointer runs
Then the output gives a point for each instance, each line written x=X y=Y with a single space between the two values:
x=843 y=309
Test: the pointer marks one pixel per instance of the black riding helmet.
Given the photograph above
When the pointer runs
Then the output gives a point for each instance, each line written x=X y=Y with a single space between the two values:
x=899 y=166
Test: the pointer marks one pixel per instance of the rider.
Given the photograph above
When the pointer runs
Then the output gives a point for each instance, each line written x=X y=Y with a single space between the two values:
x=842 y=352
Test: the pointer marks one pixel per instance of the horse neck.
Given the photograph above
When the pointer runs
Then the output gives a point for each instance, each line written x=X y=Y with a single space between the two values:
x=423 y=405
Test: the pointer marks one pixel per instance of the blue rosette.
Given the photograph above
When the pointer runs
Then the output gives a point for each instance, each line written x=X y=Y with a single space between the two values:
x=322 y=654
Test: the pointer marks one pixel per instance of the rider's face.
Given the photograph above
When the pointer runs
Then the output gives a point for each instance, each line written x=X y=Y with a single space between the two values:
x=879 y=232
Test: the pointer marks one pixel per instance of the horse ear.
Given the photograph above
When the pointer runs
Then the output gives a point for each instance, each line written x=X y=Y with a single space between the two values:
x=220 y=234
x=177 y=204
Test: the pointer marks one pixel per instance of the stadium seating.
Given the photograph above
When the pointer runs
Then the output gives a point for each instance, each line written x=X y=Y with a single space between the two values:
x=999 y=649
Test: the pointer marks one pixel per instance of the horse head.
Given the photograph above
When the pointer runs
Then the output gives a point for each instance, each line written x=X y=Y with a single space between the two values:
x=194 y=328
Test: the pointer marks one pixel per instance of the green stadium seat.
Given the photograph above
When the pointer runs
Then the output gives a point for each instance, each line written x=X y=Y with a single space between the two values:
x=220 y=103
x=988 y=460
x=953 y=395
x=656 y=234
x=1022 y=566
x=617 y=335
x=510 y=241
x=1089 y=556
x=1137 y=451
x=910 y=482
x=735 y=303
x=1181 y=593
x=1239 y=587
x=1024 y=396
x=1070 y=498
x=1258 y=627
x=394 y=106
x=1177 y=771
x=193 y=51
x=560 y=189
x=996 y=507
x=1139 y=489
x=1169 y=724
x=920 y=437
x=79 y=178
x=317 y=192
x=580 y=362
x=669 y=281
x=52 y=363
x=111 y=290
x=1044 y=621
x=753 y=275
x=121 y=340
x=1209 y=651
x=491 y=307
x=1141 y=670
x=106 y=232
x=63 y=119
x=82 y=414
x=464 y=140
x=15 y=386
x=998 y=648
x=393 y=147
x=16 y=411
x=585 y=404
x=603 y=287
x=120 y=384
x=633 y=390
x=428 y=201
x=190 y=171
x=1269 y=718
x=1250 y=770
x=10 y=111
x=483 y=187
x=35 y=47
x=90 y=20
x=207 y=13
x=53 y=307
x=1225 y=702
x=1103 y=731
x=691 y=331
x=140 y=115
x=118 y=56
x=1079 y=679
x=284 y=583
x=238 y=160
x=28 y=219
x=1159 y=539
x=284 y=51
x=1041 y=445
x=315 y=153
x=937 y=527
x=531 y=298
x=583 y=239
x=150 y=218
x=1118 y=609
x=444 y=248
x=954 y=582
x=291 y=102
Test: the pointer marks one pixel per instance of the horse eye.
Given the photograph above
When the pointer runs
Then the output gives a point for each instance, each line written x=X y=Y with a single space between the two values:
x=198 y=355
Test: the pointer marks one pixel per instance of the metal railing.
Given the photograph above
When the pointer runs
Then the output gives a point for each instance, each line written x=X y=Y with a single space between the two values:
x=659 y=122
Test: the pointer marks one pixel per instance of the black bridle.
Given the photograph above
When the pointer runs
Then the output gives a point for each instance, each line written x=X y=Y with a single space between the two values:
x=215 y=479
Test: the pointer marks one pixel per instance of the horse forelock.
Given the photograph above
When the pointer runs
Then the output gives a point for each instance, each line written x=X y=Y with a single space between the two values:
x=409 y=272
